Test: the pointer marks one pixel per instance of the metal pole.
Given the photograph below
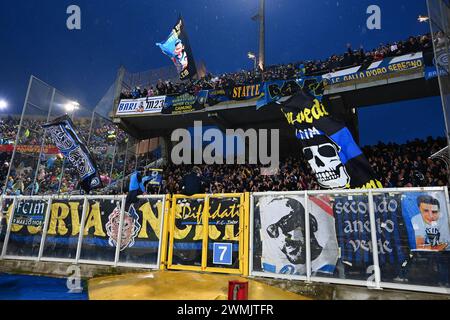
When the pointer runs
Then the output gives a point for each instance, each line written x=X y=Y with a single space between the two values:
x=438 y=67
x=374 y=239
x=63 y=164
x=114 y=155
x=44 y=232
x=90 y=130
x=82 y=224
x=119 y=85
x=262 y=26
x=124 y=165
x=18 y=131
x=43 y=140
x=119 y=232
x=307 y=239
x=8 y=229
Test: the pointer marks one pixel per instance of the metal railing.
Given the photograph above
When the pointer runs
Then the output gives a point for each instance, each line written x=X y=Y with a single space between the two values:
x=313 y=247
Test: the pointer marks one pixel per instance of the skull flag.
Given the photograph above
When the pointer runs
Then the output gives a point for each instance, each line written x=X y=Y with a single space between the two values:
x=335 y=159
x=68 y=142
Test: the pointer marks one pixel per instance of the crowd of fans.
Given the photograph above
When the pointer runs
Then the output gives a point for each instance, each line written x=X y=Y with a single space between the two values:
x=334 y=63
x=50 y=174
x=405 y=165
x=397 y=165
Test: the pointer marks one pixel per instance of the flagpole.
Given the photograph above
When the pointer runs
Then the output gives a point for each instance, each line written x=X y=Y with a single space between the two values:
x=262 y=26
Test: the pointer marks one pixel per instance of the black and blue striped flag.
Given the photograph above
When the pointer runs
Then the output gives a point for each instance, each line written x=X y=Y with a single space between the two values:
x=66 y=139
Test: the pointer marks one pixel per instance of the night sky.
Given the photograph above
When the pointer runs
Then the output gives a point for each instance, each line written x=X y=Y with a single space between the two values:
x=83 y=64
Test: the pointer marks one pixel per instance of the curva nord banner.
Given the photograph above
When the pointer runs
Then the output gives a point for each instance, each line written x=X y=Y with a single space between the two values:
x=177 y=48
x=140 y=235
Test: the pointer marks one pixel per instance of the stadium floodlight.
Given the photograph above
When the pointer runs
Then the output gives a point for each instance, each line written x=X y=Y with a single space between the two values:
x=3 y=104
x=71 y=106
x=252 y=56
x=423 y=18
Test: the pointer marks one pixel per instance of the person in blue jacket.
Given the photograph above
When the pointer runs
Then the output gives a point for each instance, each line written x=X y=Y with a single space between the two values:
x=136 y=187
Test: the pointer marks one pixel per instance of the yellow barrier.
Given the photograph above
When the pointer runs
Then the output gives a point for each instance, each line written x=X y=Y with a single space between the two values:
x=201 y=218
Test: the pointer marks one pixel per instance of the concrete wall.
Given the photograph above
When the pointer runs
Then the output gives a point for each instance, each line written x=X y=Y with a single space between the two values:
x=314 y=290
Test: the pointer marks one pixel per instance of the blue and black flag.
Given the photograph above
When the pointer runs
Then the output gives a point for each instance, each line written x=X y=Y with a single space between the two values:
x=354 y=232
x=335 y=158
x=179 y=51
x=66 y=139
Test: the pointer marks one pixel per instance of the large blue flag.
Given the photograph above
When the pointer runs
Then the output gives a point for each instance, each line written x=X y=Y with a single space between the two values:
x=177 y=48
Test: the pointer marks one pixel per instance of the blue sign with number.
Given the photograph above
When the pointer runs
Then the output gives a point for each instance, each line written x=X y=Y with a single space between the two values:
x=222 y=253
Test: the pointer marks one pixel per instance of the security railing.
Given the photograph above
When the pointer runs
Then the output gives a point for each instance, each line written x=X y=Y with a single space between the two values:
x=81 y=230
x=333 y=243
x=381 y=238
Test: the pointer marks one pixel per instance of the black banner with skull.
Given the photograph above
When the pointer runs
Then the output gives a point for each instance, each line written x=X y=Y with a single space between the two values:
x=335 y=159
x=62 y=131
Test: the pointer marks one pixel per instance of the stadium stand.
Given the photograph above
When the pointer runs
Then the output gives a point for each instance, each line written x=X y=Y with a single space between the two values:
x=286 y=71
x=404 y=165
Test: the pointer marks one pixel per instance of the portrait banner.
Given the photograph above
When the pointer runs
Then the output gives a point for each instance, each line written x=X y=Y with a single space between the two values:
x=427 y=221
x=177 y=48
x=280 y=236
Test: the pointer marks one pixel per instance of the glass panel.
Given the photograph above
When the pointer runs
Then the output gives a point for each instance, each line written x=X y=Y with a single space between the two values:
x=223 y=244
x=26 y=230
x=141 y=231
x=9 y=126
x=102 y=144
x=25 y=163
x=279 y=235
x=4 y=216
x=415 y=238
x=100 y=232
x=63 y=229
x=188 y=232
x=347 y=216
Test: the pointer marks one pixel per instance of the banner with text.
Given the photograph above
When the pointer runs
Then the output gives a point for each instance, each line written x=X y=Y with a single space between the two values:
x=378 y=68
x=148 y=105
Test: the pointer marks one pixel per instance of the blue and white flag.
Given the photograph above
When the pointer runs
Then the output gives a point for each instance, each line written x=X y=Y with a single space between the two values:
x=68 y=142
x=177 y=48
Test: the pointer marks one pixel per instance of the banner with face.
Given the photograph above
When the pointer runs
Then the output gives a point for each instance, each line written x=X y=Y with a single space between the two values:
x=177 y=48
x=280 y=236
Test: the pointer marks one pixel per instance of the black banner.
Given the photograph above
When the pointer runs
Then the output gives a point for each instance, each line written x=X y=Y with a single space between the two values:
x=335 y=158
x=185 y=103
x=66 y=139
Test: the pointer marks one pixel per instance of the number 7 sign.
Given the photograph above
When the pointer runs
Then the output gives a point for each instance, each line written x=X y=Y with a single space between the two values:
x=222 y=253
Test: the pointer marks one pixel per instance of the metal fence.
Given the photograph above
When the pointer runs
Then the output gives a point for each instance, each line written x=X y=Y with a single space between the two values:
x=439 y=13
x=81 y=230
x=36 y=167
x=333 y=243
x=375 y=238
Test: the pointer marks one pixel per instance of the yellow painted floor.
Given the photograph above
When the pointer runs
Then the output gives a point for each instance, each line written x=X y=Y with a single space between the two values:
x=178 y=285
